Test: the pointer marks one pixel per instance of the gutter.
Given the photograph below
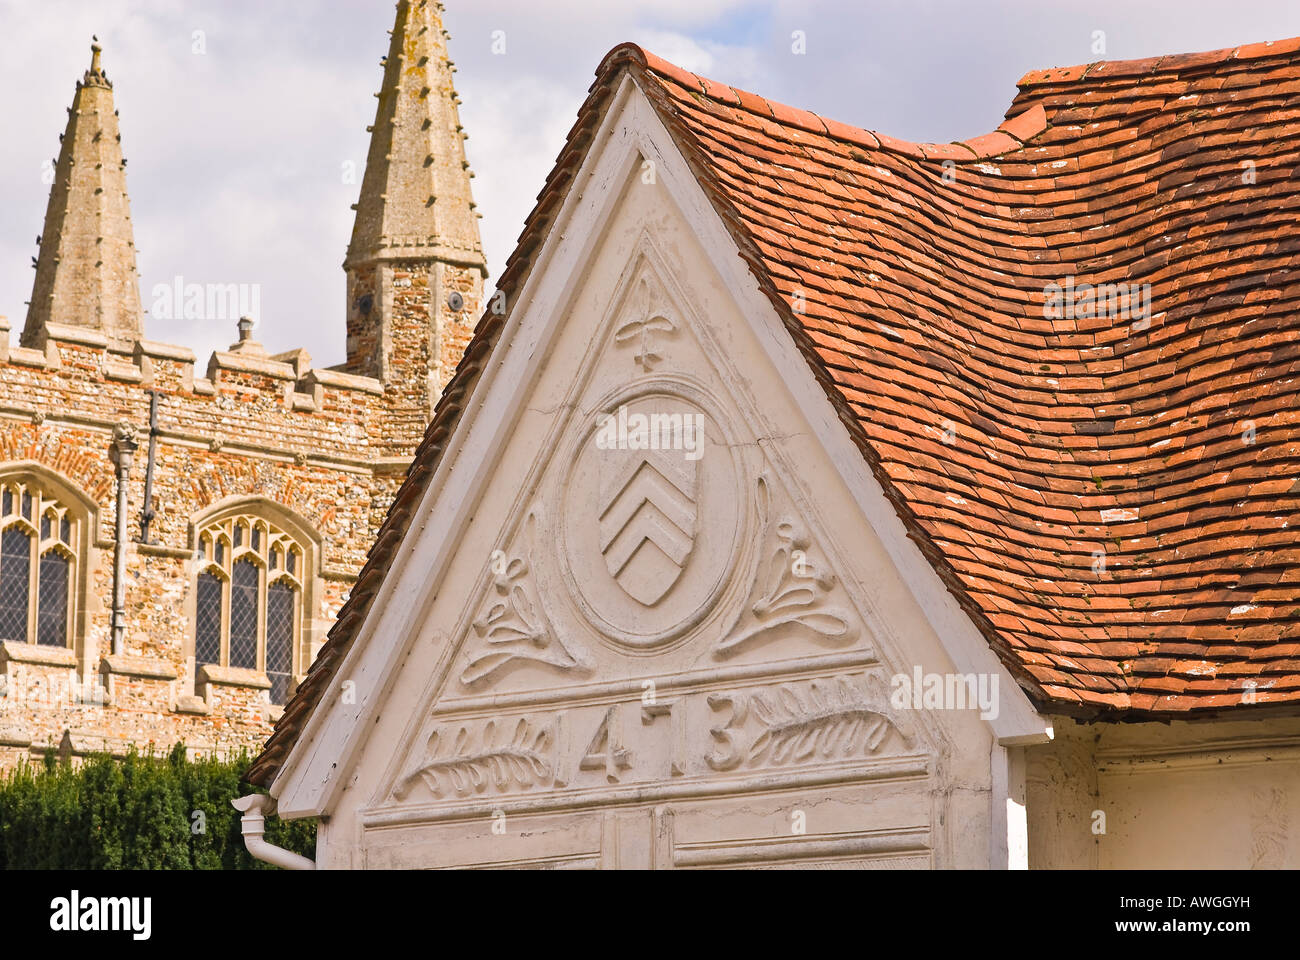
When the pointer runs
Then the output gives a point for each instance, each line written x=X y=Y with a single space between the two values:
x=255 y=807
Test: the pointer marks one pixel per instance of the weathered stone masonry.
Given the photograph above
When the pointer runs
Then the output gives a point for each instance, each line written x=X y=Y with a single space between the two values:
x=316 y=454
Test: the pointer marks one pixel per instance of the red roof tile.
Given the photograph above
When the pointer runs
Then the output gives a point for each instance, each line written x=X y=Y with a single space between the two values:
x=1099 y=515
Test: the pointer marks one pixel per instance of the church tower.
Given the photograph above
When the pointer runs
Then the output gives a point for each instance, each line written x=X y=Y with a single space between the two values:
x=86 y=273
x=415 y=265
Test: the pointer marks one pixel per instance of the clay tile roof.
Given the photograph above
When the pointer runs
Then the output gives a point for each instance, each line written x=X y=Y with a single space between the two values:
x=1110 y=495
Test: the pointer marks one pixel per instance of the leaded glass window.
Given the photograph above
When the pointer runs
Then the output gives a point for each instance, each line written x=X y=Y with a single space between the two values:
x=39 y=539
x=244 y=614
x=248 y=610
x=52 y=617
x=207 y=632
x=281 y=602
x=15 y=582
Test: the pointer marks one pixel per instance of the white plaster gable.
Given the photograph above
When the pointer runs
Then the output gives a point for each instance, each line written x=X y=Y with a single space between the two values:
x=675 y=625
x=548 y=584
x=625 y=572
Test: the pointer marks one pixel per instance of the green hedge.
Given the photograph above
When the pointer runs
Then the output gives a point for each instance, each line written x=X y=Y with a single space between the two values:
x=139 y=813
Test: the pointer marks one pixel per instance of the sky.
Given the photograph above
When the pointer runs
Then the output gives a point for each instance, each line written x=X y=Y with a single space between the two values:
x=240 y=119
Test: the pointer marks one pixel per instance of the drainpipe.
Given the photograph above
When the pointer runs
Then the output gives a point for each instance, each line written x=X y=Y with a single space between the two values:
x=147 y=512
x=255 y=807
x=124 y=446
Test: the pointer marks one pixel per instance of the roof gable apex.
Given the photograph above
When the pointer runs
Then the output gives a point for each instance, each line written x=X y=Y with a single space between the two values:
x=922 y=314
x=584 y=184
x=576 y=203
x=639 y=321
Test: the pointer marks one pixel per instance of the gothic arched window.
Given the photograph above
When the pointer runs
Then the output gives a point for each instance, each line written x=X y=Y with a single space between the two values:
x=248 y=599
x=39 y=539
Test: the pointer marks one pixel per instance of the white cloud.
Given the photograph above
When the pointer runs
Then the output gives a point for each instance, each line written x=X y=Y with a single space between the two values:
x=235 y=155
x=679 y=49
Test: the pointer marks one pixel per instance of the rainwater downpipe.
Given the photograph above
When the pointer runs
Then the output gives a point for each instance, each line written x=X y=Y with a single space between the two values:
x=255 y=807
x=123 y=447
x=147 y=511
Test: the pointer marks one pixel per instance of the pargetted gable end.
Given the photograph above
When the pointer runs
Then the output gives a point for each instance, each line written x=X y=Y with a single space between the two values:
x=638 y=569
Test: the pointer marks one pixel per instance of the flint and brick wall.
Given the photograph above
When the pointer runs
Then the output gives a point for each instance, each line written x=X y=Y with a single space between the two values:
x=331 y=447
x=390 y=335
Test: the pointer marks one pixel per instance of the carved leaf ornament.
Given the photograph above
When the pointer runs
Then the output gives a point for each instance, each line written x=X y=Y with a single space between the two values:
x=832 y=718
x=502 y=759
x=514 y=626
x=646 y=321
x=789 y=590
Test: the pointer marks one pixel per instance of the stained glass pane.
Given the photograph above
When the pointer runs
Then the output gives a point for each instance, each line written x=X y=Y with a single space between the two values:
x=8 y=502
x=65 y=530
x=27 y=505
x=239 y=534
x=46 y=529
x=243 y=616
x=292 y=561
x=15 y=583
x=207 y=631
x=281 y=599
x=52 y=612
x=257 y=539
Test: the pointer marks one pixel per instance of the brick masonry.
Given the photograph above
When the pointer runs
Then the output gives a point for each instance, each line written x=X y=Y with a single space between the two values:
x=306 y=445
x=326 y=448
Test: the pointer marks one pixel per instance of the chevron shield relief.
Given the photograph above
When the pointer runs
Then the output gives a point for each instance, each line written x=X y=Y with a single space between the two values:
x=648 y=519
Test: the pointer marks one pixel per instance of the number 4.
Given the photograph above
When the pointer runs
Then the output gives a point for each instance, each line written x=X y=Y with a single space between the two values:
x=606 y=748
